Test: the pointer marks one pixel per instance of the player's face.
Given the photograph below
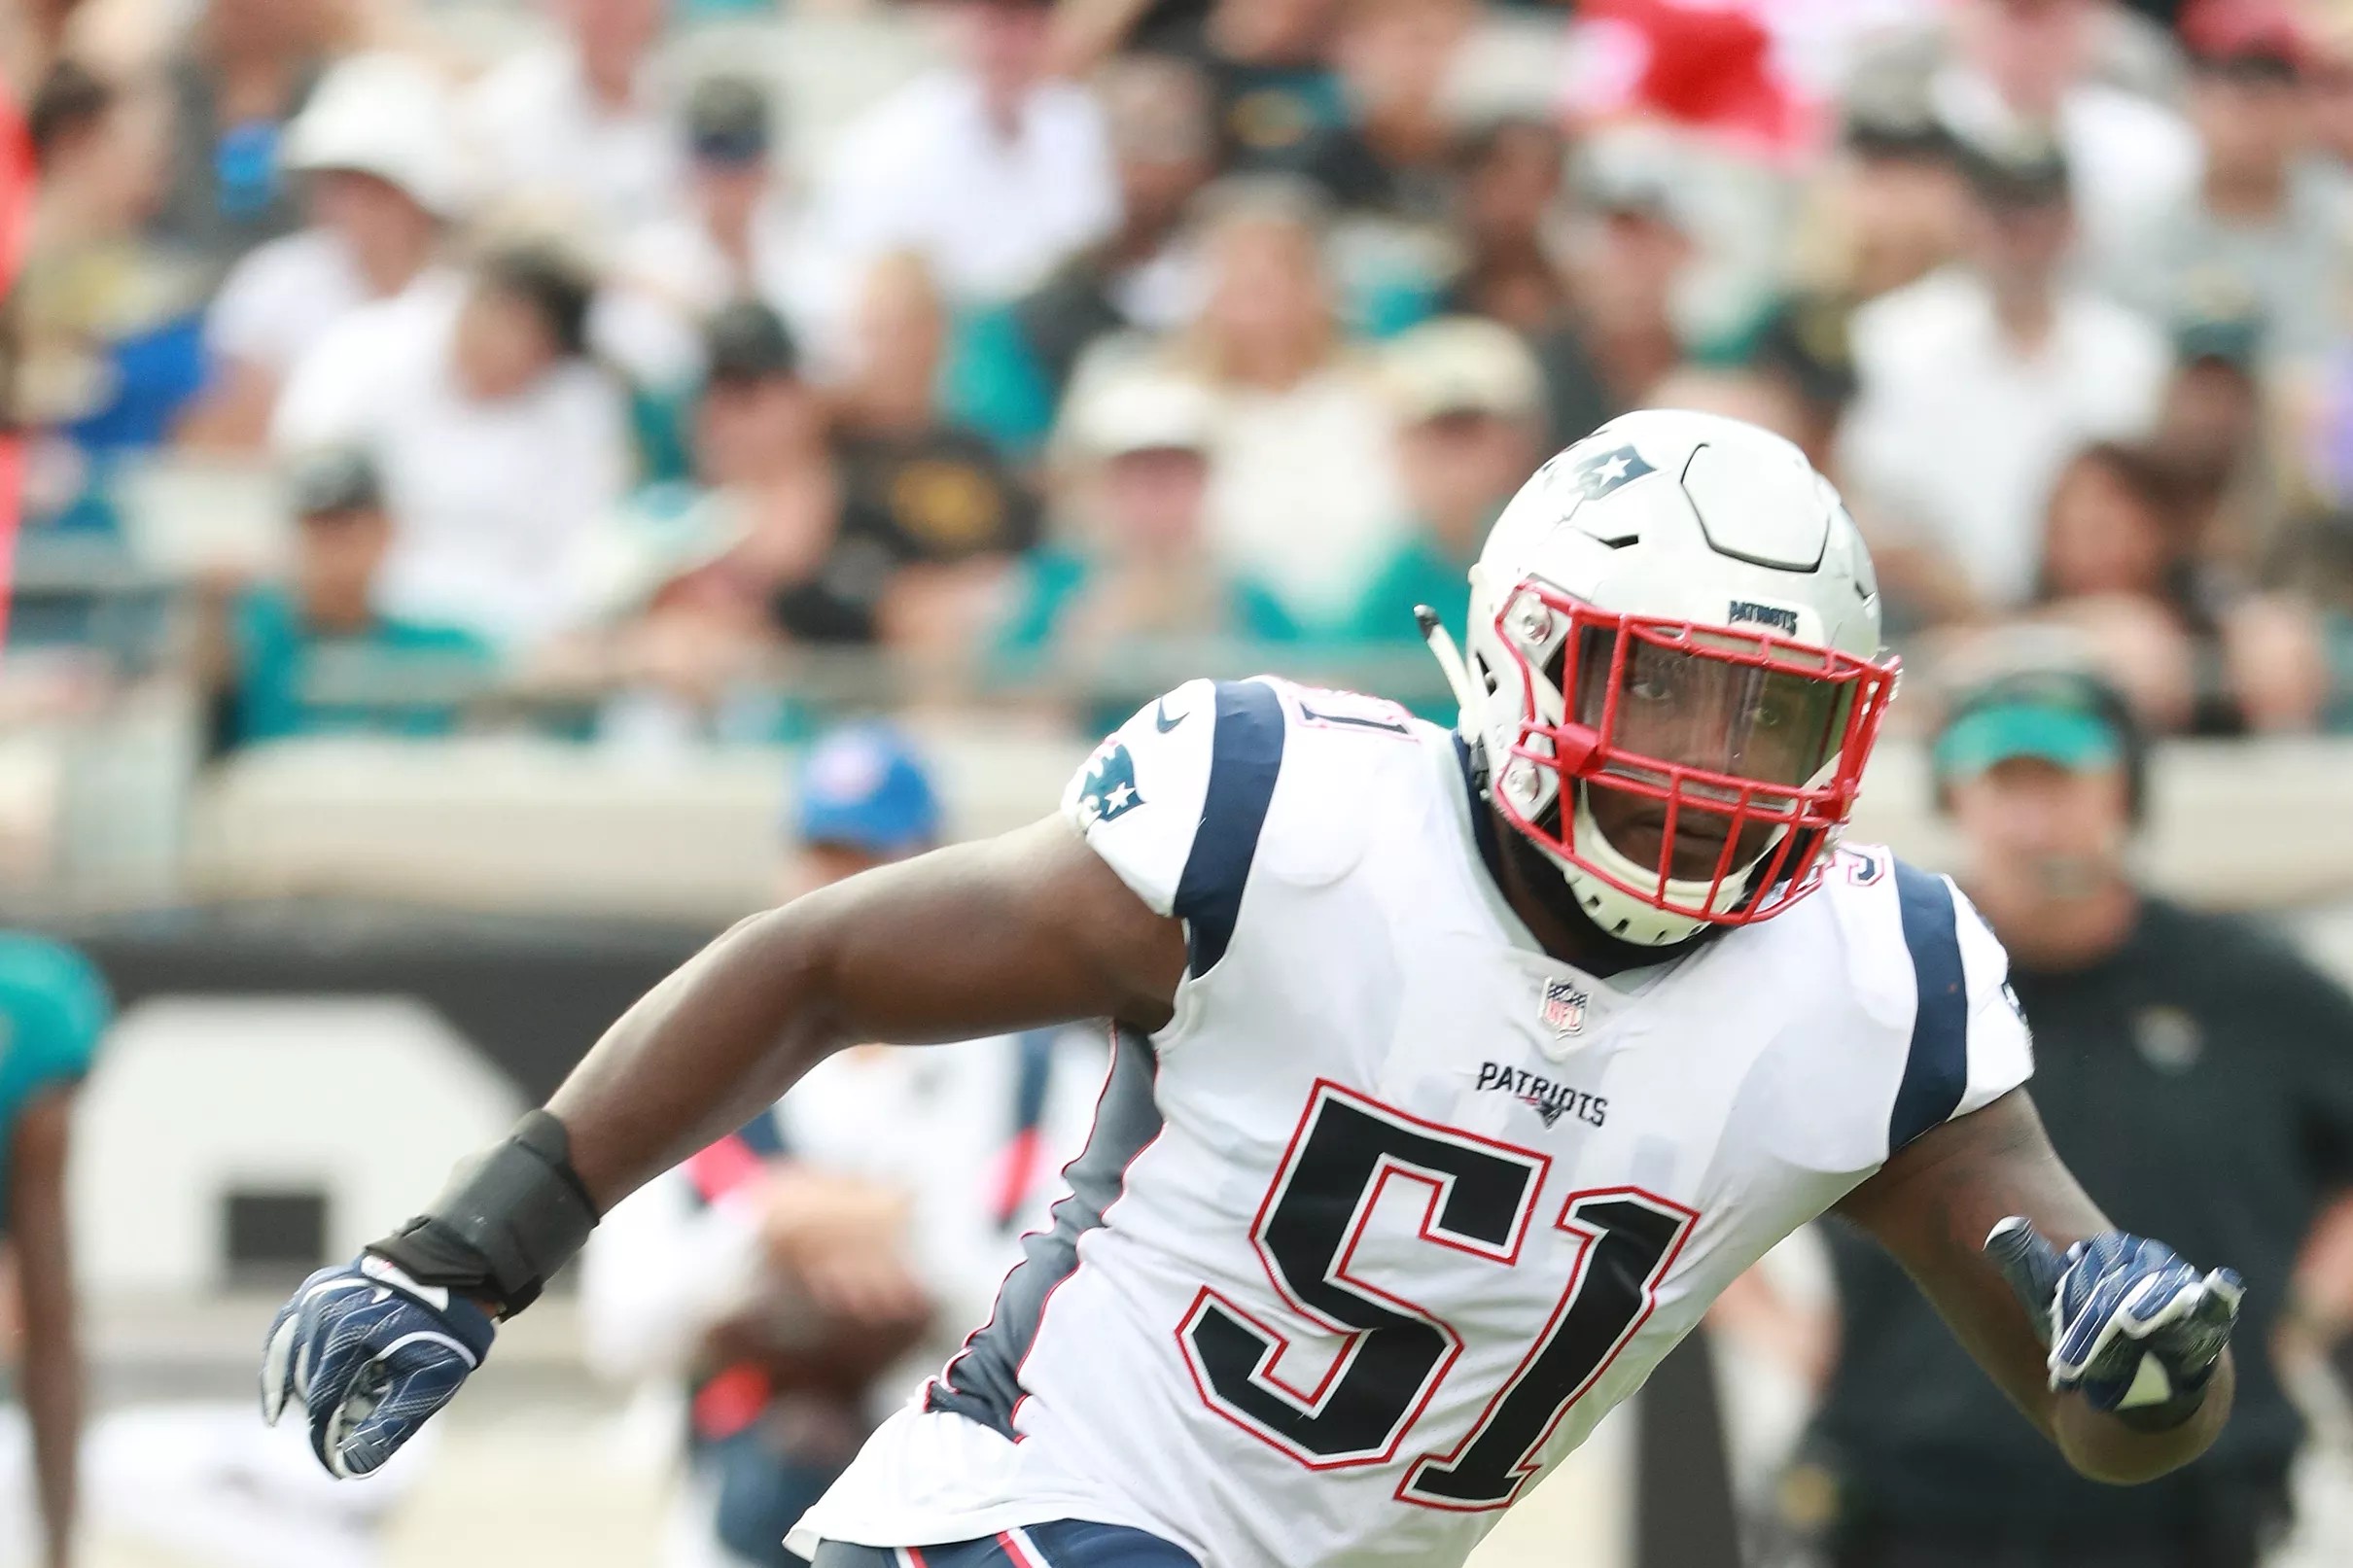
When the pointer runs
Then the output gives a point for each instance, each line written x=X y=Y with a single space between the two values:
x=2042 y=831
x=1684 y=709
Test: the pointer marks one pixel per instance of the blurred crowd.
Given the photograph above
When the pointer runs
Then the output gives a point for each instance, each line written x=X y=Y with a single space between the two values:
x=589 y=361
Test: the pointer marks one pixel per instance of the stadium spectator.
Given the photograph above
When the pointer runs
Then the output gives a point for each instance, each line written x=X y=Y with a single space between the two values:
x=2034 y=69
x=1395 y=154
x=1805 y=350
x=2119 y=556
x=741 y=235
x=1304 y=497
x=2268 y=223
x=1887 y=209
x=500 y=444
x=754 y=551
x=801 y=1276
x=107 y=326
x=1630 y=249
x=1509 y=212
x=56 y=1008
x=576 y=127
x=1271 y=76
x=932 y=493
x=317 y=653
x=380 y=180
x=1128 y=580
x=1470 y=406
x=2218 y=423
x=1508 y=177
x=988 y=169
x=1978 y=382
x=1147 y=275
x=246 y=70
x=2155 y=1028
x=901 y=536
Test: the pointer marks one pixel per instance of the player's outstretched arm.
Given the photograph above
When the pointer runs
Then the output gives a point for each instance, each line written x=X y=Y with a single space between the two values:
x=1032 y=928
x=983 y=938
x=2122 y=1356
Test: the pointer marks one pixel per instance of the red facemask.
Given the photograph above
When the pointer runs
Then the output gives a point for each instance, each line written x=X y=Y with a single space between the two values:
x=1716 y=759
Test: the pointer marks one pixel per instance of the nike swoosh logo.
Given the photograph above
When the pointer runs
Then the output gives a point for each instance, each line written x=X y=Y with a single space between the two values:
x=1161 y=720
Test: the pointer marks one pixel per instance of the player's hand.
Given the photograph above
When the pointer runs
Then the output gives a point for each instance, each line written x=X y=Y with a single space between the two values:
x=369 y=1354
x=2127 y=1322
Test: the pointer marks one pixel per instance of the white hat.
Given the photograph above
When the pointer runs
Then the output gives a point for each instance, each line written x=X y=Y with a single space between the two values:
x=1463 y=364
x=1140 y=411
x=385 y=115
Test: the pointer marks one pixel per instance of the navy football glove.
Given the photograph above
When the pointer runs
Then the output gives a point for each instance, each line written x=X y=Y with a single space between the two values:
x=369 y=1353
x=2127 y=1322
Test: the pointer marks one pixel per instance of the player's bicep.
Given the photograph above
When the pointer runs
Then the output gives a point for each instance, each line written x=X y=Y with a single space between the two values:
x=1028 y=929
x=1932 y=1205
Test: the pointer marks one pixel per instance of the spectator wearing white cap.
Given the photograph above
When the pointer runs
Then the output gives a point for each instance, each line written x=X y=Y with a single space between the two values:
x=380 y=180
x=1133 y=564
x=988 y=169
x=578 y=123
x=1471 y=425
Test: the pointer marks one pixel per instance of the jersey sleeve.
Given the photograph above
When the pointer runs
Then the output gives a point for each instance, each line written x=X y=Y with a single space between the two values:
x=1174 y=801
x=1968 y=1044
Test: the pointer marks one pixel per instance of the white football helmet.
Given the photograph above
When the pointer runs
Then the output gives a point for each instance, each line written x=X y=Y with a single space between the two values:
x=1675 y=671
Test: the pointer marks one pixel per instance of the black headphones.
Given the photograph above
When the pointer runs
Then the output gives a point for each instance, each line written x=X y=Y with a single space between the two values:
x=2075 y=687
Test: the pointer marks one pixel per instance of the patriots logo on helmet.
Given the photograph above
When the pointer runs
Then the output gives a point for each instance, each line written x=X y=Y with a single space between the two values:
x=1604 y=471
x=1110 y=793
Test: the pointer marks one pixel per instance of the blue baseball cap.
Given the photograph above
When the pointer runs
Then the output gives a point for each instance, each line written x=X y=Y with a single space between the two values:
x=861 y=787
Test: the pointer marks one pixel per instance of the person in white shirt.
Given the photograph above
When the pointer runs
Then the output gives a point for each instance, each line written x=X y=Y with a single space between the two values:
x=501 y=444
x=381 y=181
x=988 y=170
x=801 y=1278
x=740 y=235
x=1977 y=385
x=2026 y=67
x=577 y=122
x=1304 y=491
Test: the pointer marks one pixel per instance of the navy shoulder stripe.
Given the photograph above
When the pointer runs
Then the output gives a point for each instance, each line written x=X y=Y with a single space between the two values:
x=1245 y=753
x=1936 y=1072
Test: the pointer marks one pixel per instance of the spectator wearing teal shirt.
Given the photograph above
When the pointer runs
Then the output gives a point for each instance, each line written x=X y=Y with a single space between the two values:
x=1471 y=409
x=54 y=1007
x=324 y=630
x=1132 y=570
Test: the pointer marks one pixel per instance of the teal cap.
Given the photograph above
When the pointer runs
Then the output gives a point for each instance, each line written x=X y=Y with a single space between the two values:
x=2068 y=735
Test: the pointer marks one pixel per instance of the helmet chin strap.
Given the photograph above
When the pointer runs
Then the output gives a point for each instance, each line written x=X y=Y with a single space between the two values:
x=1450 y=660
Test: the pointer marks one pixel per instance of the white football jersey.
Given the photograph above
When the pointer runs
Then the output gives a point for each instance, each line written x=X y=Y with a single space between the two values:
x=1397 y=1206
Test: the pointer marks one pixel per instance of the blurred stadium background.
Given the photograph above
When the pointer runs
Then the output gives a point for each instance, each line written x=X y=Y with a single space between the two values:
x=466 y=448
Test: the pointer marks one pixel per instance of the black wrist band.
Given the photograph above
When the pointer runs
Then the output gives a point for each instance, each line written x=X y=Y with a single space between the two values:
x=505 y=1223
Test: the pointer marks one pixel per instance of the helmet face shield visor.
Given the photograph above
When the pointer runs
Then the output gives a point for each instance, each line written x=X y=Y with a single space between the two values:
x=1700 y=769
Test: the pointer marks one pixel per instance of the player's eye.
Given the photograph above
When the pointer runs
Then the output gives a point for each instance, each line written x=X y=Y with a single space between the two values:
x=1645 y=687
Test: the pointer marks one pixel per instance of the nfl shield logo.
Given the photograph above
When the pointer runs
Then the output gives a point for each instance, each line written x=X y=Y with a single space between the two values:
x=1564 y=1009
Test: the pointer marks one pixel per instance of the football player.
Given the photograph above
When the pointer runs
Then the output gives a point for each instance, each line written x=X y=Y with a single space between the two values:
x=1453 y=1075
